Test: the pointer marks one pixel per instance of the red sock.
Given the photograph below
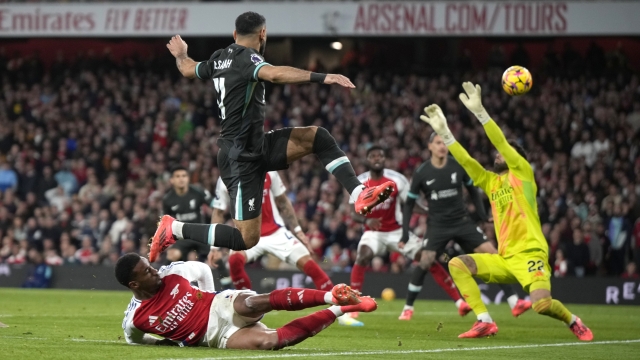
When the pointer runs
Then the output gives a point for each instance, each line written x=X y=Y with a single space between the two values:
x=318 y=276
x=441 y=276
x=304 y=327
x=357 y=277
x=238 y=275
x=292 y=299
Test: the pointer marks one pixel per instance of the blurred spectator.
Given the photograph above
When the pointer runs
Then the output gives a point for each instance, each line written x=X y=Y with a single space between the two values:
x=8 y=177
x=630 y=272
x=560 y=266
x=40 y=274
x=578 y=254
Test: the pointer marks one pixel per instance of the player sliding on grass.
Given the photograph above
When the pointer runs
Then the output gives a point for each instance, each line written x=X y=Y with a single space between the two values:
x=246 y=153
x=441 y=179
x=275 y=239
x=522 y=248
x=166 y=304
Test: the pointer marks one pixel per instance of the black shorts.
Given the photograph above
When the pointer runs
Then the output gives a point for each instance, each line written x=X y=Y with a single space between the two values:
x=186 y=246
x=466 y=233
x=245 y=179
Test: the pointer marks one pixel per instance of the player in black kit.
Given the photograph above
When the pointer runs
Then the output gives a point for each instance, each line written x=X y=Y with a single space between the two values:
x=441 y=179
x=246 y=153
x=184 y=202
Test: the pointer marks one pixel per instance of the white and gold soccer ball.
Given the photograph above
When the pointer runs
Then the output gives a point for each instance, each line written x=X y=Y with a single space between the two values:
x=517 y=80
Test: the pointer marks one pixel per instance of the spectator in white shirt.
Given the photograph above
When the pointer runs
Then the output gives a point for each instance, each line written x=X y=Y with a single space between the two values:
x=584 y=148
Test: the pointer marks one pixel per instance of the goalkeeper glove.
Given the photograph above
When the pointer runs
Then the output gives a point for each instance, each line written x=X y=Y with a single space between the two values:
x=473 y=101
x=434 y=117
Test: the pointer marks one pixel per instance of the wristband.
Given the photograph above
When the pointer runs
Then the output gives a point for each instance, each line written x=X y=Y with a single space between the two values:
x=448 y=138
x=317 y=78
x=297 y=229
x=483 y=116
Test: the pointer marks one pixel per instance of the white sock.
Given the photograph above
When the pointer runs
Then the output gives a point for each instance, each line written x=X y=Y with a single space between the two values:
x=459 y=303
x=336 y=310
x=485 y=317
x=512 y=300
x=573 y=319
x=356 y=192
x=328 y=298
x=176 y=229
x=407 y=307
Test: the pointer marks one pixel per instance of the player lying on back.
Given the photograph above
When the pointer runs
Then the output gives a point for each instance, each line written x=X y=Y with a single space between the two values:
x=522 y=248
x=441 y=179
x=165 y=303
x=275 y=239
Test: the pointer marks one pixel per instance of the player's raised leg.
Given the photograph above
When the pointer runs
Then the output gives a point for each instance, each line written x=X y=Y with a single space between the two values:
x=170 y=229
x=317 y=140
x=258 y=337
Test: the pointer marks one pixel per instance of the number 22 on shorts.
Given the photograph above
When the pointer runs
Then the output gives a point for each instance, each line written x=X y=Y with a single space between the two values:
x=535 y=265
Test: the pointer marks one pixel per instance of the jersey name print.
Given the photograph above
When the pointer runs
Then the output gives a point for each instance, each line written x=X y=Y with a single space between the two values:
x=240 y=98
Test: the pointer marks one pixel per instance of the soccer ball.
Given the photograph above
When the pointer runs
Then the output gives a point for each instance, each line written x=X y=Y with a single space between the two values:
x=517 y=81
x=388 y=294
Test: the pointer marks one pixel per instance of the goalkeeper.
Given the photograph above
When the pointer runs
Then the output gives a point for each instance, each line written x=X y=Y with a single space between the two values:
x=522 y=249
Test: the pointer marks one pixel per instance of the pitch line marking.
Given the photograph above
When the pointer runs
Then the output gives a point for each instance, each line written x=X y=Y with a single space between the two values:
x=403 y=352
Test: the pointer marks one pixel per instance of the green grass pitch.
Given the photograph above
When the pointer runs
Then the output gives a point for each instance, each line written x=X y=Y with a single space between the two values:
x=59 y=324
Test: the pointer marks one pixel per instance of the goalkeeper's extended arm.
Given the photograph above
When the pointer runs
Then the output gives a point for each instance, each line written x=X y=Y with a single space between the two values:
x=472 y=99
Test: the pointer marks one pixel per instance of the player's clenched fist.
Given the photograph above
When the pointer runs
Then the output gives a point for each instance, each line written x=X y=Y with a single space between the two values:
x=177 y=46
x=340 y=80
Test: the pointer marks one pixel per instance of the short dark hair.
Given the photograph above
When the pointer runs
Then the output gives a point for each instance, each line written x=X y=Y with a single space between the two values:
x=514 y=144
x=432 y=136
x=175 y=168
x=249 y=22
x=124 y=267
x=376 y=147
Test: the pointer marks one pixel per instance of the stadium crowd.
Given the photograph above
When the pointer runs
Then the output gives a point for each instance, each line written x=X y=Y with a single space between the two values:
x=86 y=145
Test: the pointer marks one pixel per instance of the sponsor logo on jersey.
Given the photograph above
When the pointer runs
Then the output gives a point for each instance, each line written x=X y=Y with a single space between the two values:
x=252 y=204
x=175 y=316
x=175 y=207
x=443 y=194
x=175 y=291
x=152 y=319
x=256 y=59
x=454 y=178
x=429 y=182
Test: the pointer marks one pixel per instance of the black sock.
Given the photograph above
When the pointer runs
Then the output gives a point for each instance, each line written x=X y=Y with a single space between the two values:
x=223 y=236
x=415 y=285
x=222 y=269
x=334 y=159
x=508 y=290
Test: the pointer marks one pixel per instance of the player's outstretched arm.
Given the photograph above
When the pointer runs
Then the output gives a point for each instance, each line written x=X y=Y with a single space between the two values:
x=185 y=64
x=472 y=99
x=291 y=75
x=434 y=117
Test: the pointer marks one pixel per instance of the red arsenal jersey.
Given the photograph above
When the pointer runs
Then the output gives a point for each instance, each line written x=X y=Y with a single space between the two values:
x=390 y=211
x=179 y=311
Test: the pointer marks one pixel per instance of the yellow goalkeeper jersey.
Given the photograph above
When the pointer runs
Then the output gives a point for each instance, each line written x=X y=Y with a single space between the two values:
x=512 y=195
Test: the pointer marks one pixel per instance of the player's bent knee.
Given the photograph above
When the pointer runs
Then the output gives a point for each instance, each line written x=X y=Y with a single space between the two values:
x=460 y=266
x=542 y=306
